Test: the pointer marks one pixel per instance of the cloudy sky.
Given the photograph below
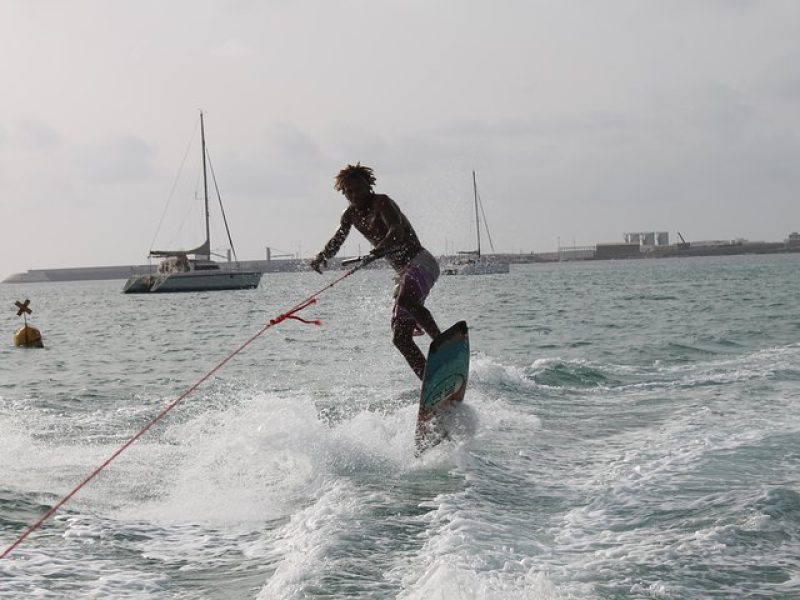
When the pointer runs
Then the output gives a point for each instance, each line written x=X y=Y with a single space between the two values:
x=583 y=120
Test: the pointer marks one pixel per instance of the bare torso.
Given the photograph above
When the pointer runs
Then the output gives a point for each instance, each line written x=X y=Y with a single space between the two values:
x=374 y=221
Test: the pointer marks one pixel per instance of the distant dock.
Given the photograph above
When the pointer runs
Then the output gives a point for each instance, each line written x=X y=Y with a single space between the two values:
x=622 y=251
x=125 y=271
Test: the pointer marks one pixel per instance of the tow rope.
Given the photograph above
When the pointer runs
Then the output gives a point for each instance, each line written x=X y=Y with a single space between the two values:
x=289 y=314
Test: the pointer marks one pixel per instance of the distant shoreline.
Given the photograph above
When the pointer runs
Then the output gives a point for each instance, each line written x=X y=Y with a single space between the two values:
x=566 y=254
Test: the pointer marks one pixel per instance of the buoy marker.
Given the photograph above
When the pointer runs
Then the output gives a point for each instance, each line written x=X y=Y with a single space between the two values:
x=26 y=336
x=23 y=307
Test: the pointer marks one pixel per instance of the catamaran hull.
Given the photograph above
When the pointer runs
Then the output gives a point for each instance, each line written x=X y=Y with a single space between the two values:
x=138 y=284
x=192 y=282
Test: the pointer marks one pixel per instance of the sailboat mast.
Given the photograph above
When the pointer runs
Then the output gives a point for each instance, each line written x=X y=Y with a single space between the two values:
x=477 y=219
x=205 y=181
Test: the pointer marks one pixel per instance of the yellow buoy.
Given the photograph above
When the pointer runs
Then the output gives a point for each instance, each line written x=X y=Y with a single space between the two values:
x=29 y=337
x=26 y=336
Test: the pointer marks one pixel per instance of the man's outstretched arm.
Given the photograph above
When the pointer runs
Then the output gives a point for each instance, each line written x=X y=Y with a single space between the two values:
x=332 y=247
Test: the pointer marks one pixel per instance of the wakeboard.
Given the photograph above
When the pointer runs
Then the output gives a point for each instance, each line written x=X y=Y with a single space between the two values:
x=443 y=385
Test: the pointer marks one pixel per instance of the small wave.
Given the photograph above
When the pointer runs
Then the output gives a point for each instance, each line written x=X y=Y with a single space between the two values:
x=782 y=504
x=572 y=374
x=17 y=510
x=686 y=352
x=555 y=376
x=762 y=364
x=544 y=372
x=485 y=370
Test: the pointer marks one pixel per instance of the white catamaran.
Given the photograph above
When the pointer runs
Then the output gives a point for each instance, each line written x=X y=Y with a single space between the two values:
x=193 y=270
x=471 y=262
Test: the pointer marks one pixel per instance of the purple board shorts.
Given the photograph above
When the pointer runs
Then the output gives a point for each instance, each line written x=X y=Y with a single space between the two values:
x=419 y=275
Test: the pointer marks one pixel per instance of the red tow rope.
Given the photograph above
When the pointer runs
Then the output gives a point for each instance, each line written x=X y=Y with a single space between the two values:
x=290 y=314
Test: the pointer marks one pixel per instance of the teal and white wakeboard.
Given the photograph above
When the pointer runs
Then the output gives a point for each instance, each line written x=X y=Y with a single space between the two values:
x=443 y=385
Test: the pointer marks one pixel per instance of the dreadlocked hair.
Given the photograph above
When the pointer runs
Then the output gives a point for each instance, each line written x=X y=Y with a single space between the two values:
x=353 y=171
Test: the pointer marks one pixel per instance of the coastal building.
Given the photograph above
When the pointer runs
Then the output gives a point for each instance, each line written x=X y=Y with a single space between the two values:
x=648 y=238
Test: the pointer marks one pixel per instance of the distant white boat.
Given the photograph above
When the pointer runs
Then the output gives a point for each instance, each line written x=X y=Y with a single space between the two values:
x=477 y=266
x=201 y=276
x=471 y=262
x=193 y=270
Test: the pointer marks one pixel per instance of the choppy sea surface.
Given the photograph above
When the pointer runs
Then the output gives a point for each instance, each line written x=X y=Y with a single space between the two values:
x=633 y=432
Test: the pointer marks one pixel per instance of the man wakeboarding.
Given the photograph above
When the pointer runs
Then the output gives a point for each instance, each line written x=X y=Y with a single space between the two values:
x=384 y=225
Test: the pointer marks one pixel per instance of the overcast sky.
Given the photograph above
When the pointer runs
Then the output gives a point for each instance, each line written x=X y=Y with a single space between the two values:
x=582 y=119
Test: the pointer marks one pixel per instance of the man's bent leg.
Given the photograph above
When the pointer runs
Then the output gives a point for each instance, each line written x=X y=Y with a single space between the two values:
x=404 y=341
x=410 y=303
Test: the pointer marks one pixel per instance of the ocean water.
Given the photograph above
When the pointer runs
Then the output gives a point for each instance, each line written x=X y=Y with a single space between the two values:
x=631 y=430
